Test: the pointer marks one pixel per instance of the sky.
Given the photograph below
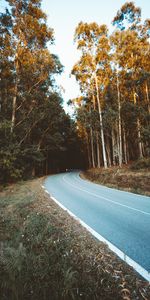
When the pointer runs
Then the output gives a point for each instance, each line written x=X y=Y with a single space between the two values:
x=64 y=16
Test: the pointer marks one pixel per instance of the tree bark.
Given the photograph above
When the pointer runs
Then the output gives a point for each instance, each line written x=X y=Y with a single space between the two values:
x=98 y=151
x=88 y=150
x=138 y=130
x=113 y=147
x=147 y=97
x=139 y=138
x=101 y=125
x=125 y=146
x=13 y=118
x=108 y=154
x=92 y=148
x=119 y=123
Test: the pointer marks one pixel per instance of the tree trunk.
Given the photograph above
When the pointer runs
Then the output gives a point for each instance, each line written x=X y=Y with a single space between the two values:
x=139 y=138
x=13 y=118
x=88 y=151
x=92 y=148
x=108 y=154
x=113 y=147
x=125 y=146
x=101 y=125
x=119 y=123
x=147 y=97
x=138 y=130
x=98 y=151
x=46 y=167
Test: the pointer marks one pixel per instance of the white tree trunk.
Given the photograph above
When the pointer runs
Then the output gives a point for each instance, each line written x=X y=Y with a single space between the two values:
x=147 y=97
x=101 y=125
x=139 y=138
x=92 y=148
x=119 y=123
x=13 y=118
x=113 y=146
x=138 y=130
x=125 y=146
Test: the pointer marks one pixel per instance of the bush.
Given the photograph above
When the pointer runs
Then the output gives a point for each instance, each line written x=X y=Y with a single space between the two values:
x=143 y=163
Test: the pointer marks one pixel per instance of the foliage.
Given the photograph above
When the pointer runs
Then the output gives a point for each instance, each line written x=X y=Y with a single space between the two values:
x=113 y=75
x=34 y=128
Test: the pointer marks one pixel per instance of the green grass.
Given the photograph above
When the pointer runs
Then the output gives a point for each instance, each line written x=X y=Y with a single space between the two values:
x=33 y=263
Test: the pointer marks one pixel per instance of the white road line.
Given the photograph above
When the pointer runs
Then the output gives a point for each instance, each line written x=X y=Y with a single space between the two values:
x=144 y=273
x=101 y=197
x=104 y=187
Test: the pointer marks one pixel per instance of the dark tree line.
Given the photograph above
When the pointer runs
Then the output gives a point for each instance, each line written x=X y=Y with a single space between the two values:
x=36 y=135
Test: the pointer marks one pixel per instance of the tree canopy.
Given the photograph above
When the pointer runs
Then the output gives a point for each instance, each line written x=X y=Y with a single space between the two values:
x=113 y=73
x=36 y=135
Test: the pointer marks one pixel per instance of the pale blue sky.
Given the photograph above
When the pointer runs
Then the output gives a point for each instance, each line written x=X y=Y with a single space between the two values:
x=64 y=16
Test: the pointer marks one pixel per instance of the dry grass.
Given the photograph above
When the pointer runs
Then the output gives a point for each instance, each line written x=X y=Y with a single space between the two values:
x=136 y=181
x=63 y=260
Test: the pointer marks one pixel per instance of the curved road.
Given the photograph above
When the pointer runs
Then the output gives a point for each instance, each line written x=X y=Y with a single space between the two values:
x=120 y=217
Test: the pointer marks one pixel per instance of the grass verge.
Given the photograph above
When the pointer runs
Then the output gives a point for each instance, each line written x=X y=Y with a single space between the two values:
x=126 y=178
x=47 y=255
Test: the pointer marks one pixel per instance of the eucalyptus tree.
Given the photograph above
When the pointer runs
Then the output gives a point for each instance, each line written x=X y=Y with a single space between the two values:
x=29 y=36
x=93 y=68
x=129 y=53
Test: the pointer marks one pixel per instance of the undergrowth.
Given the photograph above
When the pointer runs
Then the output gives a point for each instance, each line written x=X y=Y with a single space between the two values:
x=33 y=262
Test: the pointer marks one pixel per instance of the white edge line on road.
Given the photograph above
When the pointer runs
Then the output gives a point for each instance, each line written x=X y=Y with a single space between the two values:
x=111 y=188
x=144 y=273
x=106 y=199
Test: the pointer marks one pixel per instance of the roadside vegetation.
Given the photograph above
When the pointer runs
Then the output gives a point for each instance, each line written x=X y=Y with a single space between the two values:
x=45 y=254
x=133 y=177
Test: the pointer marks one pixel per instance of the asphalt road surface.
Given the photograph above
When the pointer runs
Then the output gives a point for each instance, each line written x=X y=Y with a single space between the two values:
x=120 y=217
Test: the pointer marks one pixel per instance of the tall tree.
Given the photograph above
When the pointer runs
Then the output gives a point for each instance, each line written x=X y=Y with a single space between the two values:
x=129 y=44
x=92 y=69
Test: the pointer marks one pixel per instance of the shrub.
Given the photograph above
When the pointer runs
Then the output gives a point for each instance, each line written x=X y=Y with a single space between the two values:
x=143 y=163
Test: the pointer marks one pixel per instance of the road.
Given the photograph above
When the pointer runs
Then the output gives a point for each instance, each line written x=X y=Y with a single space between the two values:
x=120 y=217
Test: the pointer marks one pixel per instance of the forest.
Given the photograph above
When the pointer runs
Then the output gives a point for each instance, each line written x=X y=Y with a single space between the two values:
x=36 y=135
x=111 y=121
x=113 y=72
